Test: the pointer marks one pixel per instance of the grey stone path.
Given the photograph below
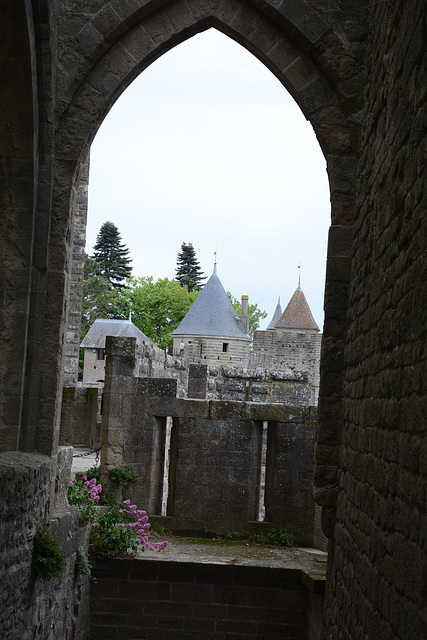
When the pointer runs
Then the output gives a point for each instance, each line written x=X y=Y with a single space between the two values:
x=82 y=462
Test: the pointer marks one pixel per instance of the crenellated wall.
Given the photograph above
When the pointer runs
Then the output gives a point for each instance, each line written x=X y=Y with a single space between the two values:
x=216 y=452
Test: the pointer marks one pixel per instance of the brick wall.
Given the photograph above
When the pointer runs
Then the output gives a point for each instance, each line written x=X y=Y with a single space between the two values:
x=378 y=581
x=150 y=599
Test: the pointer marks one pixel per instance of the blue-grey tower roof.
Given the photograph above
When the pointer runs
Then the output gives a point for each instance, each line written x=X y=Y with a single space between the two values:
x=276 y=315
x=95 y=337
x=212 y=314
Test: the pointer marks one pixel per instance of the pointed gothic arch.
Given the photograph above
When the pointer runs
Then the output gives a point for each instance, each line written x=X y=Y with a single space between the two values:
x=110 y=50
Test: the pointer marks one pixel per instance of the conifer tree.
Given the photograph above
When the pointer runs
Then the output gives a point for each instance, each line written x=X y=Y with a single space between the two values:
x=112 y=256
x=188 y=271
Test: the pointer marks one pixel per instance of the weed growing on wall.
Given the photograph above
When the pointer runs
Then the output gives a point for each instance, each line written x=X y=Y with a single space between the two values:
x=48 y=558
x=122 y=476
x=276 y=537
x=83 y=566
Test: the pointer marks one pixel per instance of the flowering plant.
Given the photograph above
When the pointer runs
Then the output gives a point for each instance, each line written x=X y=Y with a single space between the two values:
x=140 y=526
x=118 y=532
x=84 y=494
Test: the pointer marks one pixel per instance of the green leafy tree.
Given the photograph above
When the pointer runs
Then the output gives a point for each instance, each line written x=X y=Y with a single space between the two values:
x=112 y=256
x=254 y=312
x=188 y=271
x=157 y=307
x=100 y=300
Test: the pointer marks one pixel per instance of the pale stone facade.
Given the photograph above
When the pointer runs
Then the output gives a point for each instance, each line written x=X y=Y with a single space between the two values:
x=210 y=350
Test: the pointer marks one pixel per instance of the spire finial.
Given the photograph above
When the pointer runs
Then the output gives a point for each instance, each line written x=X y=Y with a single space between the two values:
x=214 y=269
x=299 y=277
x=130 y=315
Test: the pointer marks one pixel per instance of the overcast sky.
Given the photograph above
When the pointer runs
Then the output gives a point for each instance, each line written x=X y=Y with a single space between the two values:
x=206 y=146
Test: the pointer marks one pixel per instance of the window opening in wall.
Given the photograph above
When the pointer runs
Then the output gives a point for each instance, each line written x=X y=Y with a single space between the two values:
x=100 y=354
x=261 y=505
x=224 y=347
x=165 y=494
x=140 y=113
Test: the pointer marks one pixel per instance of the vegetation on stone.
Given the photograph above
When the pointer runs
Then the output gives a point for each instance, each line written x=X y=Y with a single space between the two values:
x=48 y=557
x=188 y=271
x=123 y=476
x=119 y=531
x=277 y=537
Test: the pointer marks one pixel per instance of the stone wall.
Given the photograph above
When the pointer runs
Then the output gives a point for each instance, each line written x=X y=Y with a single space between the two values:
x=80 y=416
x=296 y=351
x=377 y=580
x=215 y=454
x=249 y=385
x=74 y=308
x=36 y=609
x=214 y=350
x=191 y=601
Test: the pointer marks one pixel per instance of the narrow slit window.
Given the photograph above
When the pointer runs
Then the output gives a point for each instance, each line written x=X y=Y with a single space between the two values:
x=225 y=347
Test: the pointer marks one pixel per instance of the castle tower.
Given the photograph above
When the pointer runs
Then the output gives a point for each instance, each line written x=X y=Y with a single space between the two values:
x=291 y=343
x=276 y=315
x=211 y=331
x=297 y=314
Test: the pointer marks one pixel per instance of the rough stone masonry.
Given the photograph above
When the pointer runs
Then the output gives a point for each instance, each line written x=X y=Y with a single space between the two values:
x=357 y=70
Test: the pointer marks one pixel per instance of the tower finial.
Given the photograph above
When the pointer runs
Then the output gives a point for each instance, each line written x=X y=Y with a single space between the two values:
x=299 y=277
x=214 y=269
x=130 y=315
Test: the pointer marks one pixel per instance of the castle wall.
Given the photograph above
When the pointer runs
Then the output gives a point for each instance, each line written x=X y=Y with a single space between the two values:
x=215 y=454
x=377 y=578
x=358 y=73
x=249 y=385
x=80 y=415
x=201 y=601
x=214 y=350
x=291 y=350
x=36 y=609
x=74 y=309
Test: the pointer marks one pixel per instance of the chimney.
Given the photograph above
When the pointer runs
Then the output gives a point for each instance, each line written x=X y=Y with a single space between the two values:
x=244 y=317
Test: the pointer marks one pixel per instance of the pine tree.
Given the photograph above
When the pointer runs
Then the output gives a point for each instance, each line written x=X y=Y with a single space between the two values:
x=112 y=256
x=188 y=271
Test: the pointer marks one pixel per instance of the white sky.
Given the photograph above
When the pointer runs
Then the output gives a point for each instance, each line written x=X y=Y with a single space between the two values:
x=206 y=146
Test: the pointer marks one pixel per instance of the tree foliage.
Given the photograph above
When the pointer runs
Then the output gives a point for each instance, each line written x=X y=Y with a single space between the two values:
x=254 y=312
x=111 y=256
x=100 y=300
x=157 y=307
x=188 y=271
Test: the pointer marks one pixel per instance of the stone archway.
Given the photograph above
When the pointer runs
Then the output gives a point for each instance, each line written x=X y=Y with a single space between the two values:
x=110 y=50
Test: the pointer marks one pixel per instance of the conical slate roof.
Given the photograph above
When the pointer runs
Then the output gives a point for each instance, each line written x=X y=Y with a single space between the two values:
x=212 y=314
x=276 y=316
x=95 y=337
x=297 y=314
